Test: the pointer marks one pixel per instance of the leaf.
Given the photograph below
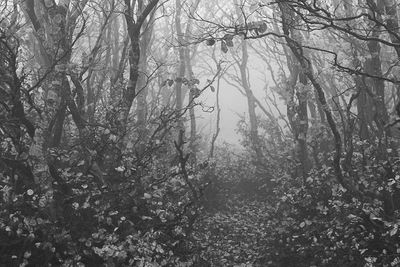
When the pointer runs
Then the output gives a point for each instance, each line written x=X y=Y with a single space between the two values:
x=352 y=217
x=146 y=195
x=170 y=82
x=195 y=91
x=262 y=28
x=113 y=137
x=27 y=254
x=195 y=81
x=394 y=230
x=224 y=47
x=228 y=40
x=129 y=145
x=302 y=224
x=210 y=42
x=212 y=88
x=120 y=169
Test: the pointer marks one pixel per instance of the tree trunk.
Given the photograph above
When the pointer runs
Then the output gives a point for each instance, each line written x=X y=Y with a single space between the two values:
x=251 y=105
x=134 y=32
x=373 y=66
x=299 y=123
x=181 y=67
x=54 y=38
x=307 y=69
x=141 y=87
x=192 y=87
x=392 y=22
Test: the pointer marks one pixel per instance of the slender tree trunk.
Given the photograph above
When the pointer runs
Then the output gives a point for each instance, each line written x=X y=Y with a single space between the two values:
x=307 y=69
x=251 y=104
x=373 y=66
x=181 y=67
x=118 y=61
x=142 y=88
x=192 y=115
x=392 y=22
x=217 y=123
x=192 y=86
x=134 y=31
x=364 y=101
x=297 y=86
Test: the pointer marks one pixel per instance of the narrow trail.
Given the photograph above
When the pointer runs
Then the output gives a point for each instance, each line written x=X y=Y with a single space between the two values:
x=235 y=236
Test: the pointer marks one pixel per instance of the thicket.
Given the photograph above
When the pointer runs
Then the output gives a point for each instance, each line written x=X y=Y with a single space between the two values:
x=111 y=195
x=139 y=212
x=306 y=222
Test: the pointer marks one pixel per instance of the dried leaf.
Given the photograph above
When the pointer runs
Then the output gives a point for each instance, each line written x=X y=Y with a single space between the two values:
x=262 y=28
x=228 y=40
x=394 y=230
x=224 y=47
x=210 y=42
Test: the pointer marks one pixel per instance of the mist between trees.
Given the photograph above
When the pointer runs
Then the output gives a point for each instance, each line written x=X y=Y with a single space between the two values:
x=113 y=116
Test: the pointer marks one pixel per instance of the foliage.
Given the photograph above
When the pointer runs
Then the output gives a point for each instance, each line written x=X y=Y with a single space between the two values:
x=315 y=222
x=140 y=220
x=97 y=167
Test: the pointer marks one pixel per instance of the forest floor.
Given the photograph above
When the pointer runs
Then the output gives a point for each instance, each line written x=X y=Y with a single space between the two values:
x=235 y=235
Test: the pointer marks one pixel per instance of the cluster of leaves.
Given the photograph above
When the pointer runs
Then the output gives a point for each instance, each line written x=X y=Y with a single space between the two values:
x=141 y=217
x=320 y=223
x=226 y=41
x=137 y=209
x=185 y=81
x=304 y=222
x=255 y=27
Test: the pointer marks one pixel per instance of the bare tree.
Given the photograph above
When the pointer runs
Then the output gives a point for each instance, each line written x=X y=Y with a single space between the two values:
x=135 y=18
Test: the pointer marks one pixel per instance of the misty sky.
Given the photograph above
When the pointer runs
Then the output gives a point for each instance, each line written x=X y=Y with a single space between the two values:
x=233 y=103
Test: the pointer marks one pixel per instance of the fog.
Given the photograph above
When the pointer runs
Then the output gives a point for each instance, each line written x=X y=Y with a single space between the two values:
x=184 y=133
